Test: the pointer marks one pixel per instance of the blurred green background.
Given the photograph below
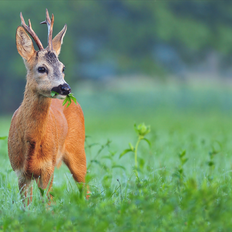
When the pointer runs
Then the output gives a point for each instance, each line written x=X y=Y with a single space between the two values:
x=129 y=61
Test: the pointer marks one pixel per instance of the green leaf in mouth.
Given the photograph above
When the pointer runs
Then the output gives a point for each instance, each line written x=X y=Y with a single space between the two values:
x=54 y=93
x=69 y=98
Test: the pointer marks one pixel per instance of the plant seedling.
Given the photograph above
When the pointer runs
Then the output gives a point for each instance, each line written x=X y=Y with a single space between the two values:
x=141 y=131
x=68 y=98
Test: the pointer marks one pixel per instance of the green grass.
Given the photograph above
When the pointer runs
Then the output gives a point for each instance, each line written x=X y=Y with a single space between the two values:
x=176 y=190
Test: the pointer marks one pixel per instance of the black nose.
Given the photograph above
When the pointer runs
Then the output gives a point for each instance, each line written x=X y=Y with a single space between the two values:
x=65 y=89
x=62 y=89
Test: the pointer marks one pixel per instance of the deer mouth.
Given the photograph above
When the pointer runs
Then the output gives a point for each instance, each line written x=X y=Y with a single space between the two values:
x=62 y=89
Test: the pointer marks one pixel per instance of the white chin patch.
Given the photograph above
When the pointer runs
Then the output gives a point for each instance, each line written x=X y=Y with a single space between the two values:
x=62 y=97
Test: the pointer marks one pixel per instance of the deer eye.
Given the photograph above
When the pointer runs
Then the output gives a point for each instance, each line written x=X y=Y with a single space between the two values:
x=42 y=70
x=63 y=69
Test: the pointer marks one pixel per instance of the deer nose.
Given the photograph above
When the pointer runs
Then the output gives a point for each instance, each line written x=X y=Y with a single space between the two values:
x=65 y=89
x=62 y=89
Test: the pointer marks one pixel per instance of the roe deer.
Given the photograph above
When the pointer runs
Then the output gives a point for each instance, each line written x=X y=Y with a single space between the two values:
x=43 y=133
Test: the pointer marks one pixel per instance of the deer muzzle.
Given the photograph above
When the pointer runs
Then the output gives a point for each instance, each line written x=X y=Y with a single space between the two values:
x=62 y=89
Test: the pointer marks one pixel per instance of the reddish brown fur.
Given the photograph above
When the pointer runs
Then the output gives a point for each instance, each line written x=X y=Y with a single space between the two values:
x=43 y=133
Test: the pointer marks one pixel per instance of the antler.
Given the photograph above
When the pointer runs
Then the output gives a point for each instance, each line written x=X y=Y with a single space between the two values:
x=31 y=32
x=49 y=23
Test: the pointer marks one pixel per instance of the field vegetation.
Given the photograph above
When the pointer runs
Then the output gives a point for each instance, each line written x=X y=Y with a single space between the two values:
x=178 y=179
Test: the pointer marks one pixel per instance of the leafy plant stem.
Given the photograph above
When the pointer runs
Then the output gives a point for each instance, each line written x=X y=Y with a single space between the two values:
x=136 y=156
x=141 y=130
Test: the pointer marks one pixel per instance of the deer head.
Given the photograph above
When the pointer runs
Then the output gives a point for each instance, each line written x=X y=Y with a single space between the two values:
x=45 y=73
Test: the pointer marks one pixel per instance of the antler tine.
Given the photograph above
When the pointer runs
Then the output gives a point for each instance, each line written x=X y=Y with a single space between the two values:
x=31 y=32
x=49 y=23
x=48 y=20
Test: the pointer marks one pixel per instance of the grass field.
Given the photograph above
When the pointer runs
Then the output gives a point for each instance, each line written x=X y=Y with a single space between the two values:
x=184 y=180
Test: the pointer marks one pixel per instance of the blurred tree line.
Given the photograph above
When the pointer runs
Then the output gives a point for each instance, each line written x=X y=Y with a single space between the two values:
x=119 y=37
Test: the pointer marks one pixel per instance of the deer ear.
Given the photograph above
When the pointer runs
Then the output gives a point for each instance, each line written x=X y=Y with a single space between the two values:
x=58 y=40
x=24 y=43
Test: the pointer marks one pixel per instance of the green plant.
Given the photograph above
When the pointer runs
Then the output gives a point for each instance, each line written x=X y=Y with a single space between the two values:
x=211 y=162
x=69 y=98
x=141 y=131
x=180 y=170
x=3 y=137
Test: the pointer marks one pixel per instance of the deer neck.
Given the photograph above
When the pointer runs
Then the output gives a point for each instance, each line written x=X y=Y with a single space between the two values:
x=35 y=110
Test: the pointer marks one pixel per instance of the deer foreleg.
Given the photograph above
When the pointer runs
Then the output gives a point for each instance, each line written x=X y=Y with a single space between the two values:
x=45 y=180
x=25 y=188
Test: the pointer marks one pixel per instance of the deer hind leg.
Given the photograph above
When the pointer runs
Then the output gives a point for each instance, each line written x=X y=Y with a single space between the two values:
x=76 y=164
